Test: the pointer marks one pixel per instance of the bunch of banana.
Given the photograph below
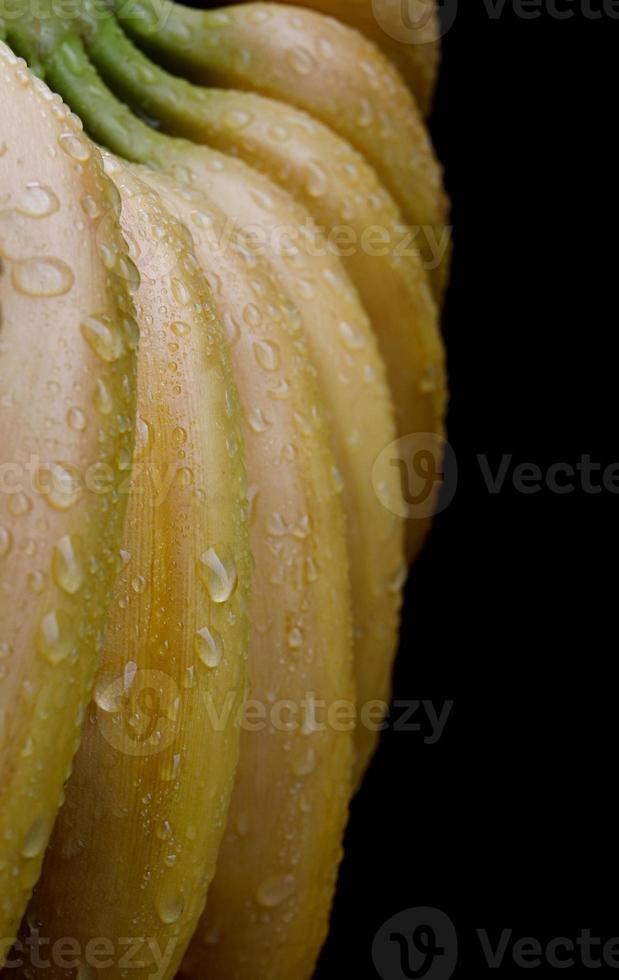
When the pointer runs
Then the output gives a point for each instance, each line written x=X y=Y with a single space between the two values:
x=242 y=250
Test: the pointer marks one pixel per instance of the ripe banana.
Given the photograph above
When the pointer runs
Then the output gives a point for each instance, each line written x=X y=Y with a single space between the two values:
x=343 y=348
x=314 y=63
x=407 y=32
x=268 y=906
x=67 y=406
x=135 y=845
x=286 y=146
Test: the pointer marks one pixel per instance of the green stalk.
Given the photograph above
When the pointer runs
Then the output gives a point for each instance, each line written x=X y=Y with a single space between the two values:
x=174 y=104
x=57 y=48
x=175 y=35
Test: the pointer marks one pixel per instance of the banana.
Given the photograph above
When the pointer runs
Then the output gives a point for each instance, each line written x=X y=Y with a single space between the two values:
x=408 y=33
x=269 y=904
x=135 y=845
x=67 y=408
x=286 y=146
x=317 y=64
x=350 y=371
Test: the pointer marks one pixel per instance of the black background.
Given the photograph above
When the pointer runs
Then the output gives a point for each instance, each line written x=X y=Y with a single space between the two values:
x=510 y=820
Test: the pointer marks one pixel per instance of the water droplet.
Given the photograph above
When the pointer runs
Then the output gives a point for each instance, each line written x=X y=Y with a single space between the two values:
x=106 y=695
x=275 y=890
x=267 y=354
x=352 y=337
x=102 y=399
x=35 y=582
x=397 y=581
x=38 y=201
x=180 y=292
x=301 y=61
x=62 y=488
x=42 y=277
x=76 y=419
x=19 y=504
x=251 y=315
x=236 y=119
x=306 y=763
x=180 y=328
x=90 y=207
x=104 y=337
x=366 y=115
x=316 y=180
x=67 y=569
x=258 y=420
x=170 y=908
x=295 y=638
x=54 y=640
x=179 y=436
x=74 y=146
x=138 y=584
x=219 y=575
x=6 y=541
x=36 y=838
x=209 y=646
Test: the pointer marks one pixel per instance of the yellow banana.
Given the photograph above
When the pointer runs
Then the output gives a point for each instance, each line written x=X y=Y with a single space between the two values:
x=351 y=379
x=67 y=406
x=315 y=63
x=134 y=847
x=350 y=371
x=335 y=185
x=407 y=32
x=268 y=907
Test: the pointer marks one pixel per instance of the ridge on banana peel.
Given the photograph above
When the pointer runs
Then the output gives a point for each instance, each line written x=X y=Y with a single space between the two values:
x=315 y=63
x=135 y=844
x=407 y=33
x=270 y=900
x=284 y=144
x=343 y=348
x=67 y=384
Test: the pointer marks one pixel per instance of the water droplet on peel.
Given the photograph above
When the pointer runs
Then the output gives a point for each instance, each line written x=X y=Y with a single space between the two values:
x=219 y=575
x=352 y=337
x=76 y=419
x=106 y=695
x=301 y=61
x=267 y=354
x=102 y=399
x=54 y=640
x=19 y=504
x=295 y=638
x=42 y=277
x=180 y=328
x=74 y=146
x=209 y=646
x=258 y=420
x=316 y=180
x=62 y=488
x=170 y=908
x=138 y=584
x=35 y=839
x=103 y=337
x=180 y=292
x=306 y=763
x=236 y=119
x=275 y=890
x=38 y=201
x=67 y=569
x=6 y=541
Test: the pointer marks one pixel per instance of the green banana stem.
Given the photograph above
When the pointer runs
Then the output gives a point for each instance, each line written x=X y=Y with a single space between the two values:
x=175 y=104
x=172 y=33
x=66 y=67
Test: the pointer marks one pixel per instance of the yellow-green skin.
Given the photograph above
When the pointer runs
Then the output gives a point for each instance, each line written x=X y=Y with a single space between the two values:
x=67 y=348
x=268 y=907
x=135 y=845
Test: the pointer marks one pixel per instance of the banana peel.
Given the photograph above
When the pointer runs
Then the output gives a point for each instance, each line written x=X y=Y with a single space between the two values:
x=269 y=904
x=341 y=193
x=408 y=33
x=67 y=406
x=135 y=845
x=350 y=372
x=302 y=58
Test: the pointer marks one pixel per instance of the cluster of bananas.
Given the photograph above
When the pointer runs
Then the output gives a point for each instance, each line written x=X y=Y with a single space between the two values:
x=209 y=333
